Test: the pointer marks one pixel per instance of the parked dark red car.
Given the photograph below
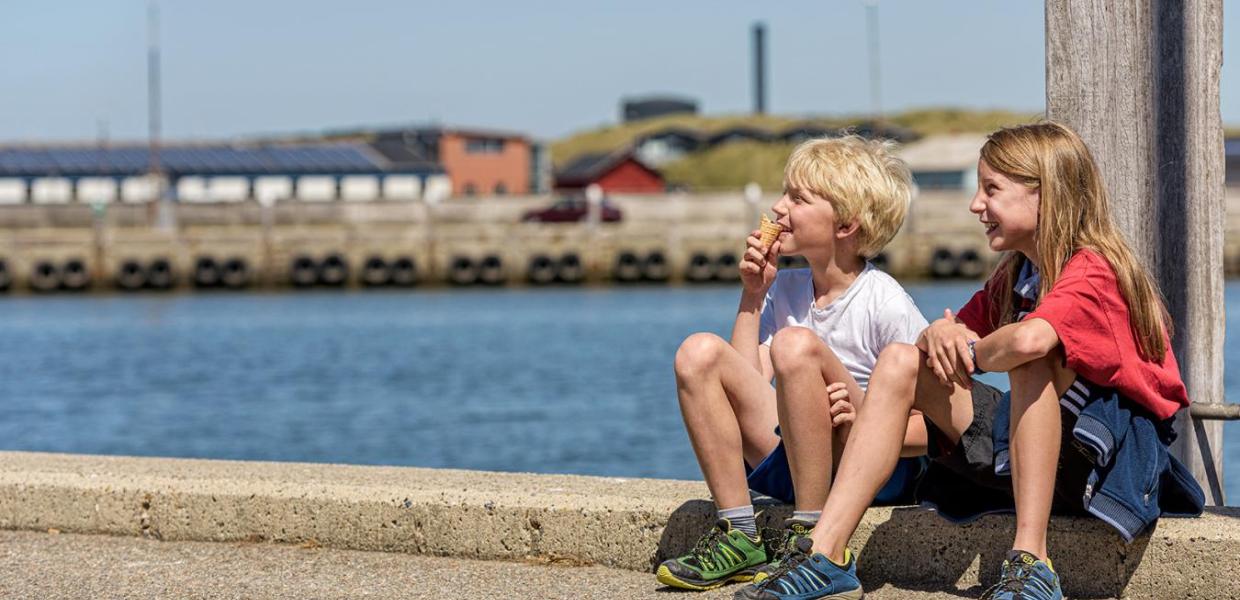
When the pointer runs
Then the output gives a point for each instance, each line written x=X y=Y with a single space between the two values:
x=570 y=210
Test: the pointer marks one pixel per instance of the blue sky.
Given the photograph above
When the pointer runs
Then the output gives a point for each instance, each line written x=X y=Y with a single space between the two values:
x=235 y=68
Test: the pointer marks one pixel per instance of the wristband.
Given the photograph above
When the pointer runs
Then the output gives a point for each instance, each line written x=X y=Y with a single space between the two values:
x=977 y=369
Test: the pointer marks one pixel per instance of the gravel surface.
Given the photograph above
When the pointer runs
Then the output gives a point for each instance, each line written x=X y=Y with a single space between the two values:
x=44 y=565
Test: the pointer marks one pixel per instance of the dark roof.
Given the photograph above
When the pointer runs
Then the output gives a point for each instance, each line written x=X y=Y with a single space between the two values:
x=748 y=133
x=681 y=132
x=201 y=159
x=587 y=168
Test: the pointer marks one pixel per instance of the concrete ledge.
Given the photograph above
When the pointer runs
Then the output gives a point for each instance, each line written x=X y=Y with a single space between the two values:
x=627 y=523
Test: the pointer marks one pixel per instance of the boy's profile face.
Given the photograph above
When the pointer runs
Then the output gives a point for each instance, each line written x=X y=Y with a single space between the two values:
x=809 y=223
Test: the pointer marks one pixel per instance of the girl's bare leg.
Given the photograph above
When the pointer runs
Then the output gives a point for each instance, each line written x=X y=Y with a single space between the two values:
x=900 y=382
x=1035 y=440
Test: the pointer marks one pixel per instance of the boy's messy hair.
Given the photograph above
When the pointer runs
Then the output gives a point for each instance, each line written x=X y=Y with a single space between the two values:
x=862 y=179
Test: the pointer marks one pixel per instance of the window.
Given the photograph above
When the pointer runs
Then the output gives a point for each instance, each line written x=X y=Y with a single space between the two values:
x=501 y=189
x=484 y=146
x=469 y=189
x=939 y=180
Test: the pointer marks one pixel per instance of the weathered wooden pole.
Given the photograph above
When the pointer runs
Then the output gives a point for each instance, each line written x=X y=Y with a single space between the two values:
x=1139 y=80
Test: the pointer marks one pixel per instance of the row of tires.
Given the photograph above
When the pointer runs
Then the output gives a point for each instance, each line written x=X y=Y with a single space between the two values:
x=334 y=270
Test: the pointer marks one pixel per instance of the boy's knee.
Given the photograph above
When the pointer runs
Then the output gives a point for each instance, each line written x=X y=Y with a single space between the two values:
x=904 y=359
x=794 y=347
x=699 y=353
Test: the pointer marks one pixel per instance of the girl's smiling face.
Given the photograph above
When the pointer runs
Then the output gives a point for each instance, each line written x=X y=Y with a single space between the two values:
x=1007 y=209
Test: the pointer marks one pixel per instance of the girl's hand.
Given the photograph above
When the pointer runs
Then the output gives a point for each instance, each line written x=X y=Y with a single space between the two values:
x=946 y=344
x=842 y=409
x=758 y=270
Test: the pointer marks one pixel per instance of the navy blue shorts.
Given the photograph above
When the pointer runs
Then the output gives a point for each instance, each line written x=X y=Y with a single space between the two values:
x=773 y=478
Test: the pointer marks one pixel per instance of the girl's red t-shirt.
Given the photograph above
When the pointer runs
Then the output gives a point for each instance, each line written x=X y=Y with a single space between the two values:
x=1090 y=317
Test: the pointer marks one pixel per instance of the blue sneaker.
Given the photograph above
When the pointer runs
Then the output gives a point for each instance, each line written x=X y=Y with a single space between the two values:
x=807 y=575
x=1024 y=577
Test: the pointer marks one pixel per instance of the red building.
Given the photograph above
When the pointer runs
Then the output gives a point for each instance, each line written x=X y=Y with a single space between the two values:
x=479 y=162
x=616 y=172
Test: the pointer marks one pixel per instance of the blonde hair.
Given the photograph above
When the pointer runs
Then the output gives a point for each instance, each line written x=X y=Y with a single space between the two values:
x=1073 y=214
x=863 y=181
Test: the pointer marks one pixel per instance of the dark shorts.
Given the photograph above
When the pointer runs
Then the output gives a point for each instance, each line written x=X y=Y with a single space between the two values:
x=970 y=478
x=773 y=477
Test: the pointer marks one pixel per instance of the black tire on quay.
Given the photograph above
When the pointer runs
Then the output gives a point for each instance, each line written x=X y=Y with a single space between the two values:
x=6 y=278
x=159 y=274
x=943 y=264
x=628 y=268
x=654 y=268
x=700 y=268
x=206 y=272
x=570 y=269
x=727 y=267
x=462 y=271
x=880 y=261
x=491 y=270
x=130 y=276
x=334 y=271
x=74 y=275
x=375 y=272
x=235 y=273
x=404 y=272
x=971 y=265
x=541 y=270
x=44 y=276
x=303 y=272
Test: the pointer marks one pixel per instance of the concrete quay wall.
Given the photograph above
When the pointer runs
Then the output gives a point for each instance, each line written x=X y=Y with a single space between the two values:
x=617 y=522
x=674 y=238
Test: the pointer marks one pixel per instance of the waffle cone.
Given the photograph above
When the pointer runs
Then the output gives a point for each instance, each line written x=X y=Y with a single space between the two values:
x=770 y=231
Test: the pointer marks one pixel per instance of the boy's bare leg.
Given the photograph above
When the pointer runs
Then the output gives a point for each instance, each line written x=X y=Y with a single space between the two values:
x=900 y=382
x=1035 y=440
x=729 y=412
x=804 y=365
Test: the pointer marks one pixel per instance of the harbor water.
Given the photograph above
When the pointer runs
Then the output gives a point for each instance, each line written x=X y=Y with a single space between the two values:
x=549 y=380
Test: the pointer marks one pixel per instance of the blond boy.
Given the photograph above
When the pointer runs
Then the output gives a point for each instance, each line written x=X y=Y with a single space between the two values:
x=818 y=333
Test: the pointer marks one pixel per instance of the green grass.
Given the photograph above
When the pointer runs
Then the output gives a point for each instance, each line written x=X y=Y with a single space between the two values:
x=731 y=166
x=923 y=122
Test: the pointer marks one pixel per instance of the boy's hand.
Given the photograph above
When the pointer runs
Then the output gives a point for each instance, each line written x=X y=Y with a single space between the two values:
x=946 y=344
x=758 y=269
x=842 y=409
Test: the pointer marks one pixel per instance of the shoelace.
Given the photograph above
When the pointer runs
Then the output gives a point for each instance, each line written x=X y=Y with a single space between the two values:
x=786 y=544
x=1013 y=580
x=704 y=550
x=791 y=560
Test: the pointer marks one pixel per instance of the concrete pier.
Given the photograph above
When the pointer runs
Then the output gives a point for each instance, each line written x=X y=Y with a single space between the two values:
x=619 y=523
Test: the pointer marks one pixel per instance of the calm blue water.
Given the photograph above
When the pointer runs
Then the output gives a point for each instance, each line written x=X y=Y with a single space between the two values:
x=555 y=381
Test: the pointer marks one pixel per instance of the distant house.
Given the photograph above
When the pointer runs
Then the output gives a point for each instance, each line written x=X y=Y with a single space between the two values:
x=1232 y=150
x=659 y=148
x=479 y=162
x=944 y=162
x=636 y=109
x=615 y=172
x=735 y=134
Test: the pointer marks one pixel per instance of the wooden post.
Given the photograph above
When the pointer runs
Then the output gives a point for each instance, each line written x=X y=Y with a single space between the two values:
x=1139 y=80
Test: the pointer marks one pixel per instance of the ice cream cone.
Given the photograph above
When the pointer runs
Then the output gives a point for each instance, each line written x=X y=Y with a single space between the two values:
x=770 y=231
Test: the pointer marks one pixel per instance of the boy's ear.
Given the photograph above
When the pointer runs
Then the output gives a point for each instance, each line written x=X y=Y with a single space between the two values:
x=843 y=230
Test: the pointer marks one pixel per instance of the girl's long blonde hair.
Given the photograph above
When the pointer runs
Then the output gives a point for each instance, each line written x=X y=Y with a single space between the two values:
x=1073 y=214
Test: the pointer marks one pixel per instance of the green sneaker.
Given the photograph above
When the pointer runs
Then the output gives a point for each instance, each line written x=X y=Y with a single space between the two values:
x=794 y=529
x=722 y=555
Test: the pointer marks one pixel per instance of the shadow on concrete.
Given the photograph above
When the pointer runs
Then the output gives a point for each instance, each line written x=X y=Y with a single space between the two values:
x=917 y=549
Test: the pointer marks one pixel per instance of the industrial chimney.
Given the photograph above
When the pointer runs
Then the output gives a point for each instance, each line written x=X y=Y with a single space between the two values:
x=759 y=68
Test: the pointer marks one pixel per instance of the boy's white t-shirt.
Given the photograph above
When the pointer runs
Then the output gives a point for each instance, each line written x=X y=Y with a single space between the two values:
x=874 y=311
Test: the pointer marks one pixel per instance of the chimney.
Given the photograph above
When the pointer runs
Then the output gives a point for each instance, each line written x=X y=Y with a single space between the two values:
x=759 y=68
